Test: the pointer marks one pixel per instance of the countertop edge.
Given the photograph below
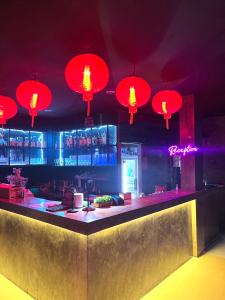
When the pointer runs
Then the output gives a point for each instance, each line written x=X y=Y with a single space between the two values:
x=94 y=226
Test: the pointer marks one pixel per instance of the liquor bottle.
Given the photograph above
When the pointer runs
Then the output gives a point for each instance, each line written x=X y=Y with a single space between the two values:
x=74 y=140
x=92 y=137
x=104 y=138
x=70 y=141
x=26 y=142
x=80 y=140
x=66 y=142
x=85 y=140
x=89 y=138
x=96 y=138
x=99 y=138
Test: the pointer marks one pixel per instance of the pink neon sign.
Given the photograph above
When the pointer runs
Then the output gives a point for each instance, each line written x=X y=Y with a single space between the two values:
x=175 y=150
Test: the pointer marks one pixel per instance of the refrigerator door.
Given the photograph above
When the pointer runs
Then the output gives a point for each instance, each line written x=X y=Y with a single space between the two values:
x=130 y=176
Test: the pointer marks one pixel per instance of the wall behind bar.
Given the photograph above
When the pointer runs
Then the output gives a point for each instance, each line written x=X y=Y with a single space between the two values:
x=155 y=139
x=107 y=176
x=150 y=132
x=214 y=150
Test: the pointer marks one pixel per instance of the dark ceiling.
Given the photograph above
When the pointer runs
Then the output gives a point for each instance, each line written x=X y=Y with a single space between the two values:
x=176 y=44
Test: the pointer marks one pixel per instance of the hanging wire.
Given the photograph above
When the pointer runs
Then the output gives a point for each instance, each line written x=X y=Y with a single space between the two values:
x=134 y=69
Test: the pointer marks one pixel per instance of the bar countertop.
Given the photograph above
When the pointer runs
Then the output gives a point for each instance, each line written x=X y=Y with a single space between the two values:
x=102 y=218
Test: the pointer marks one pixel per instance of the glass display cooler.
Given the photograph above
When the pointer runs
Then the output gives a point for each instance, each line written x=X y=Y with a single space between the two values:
x=131 y=169
x=83 y=146
x=96 y=146
x=70 y=153
x=58 y=149
x=4 y=149
x=18 y=142
x=22 y=147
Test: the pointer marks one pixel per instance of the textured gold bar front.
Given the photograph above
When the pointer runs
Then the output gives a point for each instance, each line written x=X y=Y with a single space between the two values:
x=119 y=263
x=46 y=261
x=126 y=261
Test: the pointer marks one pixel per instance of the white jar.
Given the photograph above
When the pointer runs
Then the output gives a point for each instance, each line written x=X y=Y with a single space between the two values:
x=78 y=200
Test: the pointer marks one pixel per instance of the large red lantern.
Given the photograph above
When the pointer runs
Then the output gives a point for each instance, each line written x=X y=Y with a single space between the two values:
x=87 y=74
x=8 y=109
x=34 y=96
x=133 y=92
x=166 y=103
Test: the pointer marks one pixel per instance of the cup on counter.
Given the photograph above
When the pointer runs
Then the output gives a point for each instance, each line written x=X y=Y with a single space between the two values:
x=78 y=199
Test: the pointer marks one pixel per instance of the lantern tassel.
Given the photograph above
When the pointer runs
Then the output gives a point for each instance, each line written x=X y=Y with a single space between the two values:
x=88 y=108
x=167 y=124
x=2 y=131
x=32 y=121
x=131 y=118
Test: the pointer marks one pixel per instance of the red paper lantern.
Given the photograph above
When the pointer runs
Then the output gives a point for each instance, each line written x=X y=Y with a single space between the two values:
x=8 y=109
x=34 y=96
x=133 y=92
x=87 y=74
x=166 y=103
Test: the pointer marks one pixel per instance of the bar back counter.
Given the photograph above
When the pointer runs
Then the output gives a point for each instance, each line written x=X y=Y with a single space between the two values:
x=112 y=253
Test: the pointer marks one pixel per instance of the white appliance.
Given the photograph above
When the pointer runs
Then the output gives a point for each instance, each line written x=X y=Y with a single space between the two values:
x=131 y=169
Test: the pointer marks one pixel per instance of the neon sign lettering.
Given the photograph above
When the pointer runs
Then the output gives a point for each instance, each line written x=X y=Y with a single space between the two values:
x=175 y=150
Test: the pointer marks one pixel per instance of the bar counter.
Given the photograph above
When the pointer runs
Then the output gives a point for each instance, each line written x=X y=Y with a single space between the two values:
x=101 y=218
x=111 y=253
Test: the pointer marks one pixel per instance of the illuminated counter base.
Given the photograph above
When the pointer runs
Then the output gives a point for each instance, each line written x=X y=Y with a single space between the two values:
x=126 y=261
x=46 y=261
x=121 y=262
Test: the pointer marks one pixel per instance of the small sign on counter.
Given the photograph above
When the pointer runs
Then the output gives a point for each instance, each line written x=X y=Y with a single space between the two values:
x=8 y=191
x=125 y=196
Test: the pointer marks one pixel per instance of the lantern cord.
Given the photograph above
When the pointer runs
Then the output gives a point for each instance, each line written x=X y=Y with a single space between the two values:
x=131 y=118
x=134 y=69
x=167 y=124
x=88 y=108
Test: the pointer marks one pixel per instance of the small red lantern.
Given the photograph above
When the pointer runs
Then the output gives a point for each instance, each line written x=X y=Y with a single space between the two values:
x=34 y=96
x=133 y=92
x=166 y=103
x=87 y=74
x=8 y=109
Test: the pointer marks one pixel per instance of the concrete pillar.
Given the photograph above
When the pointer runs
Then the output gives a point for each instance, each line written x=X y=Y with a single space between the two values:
x=191 y=133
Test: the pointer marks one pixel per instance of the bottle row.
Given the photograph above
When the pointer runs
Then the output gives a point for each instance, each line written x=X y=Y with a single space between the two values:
x=99 y=156
x=96 y=136
x=22 y=138
x=23 y=156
